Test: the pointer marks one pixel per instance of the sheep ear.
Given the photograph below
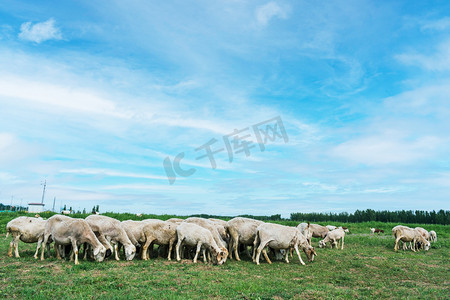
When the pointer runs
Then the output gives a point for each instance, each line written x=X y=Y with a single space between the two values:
x=96 y=251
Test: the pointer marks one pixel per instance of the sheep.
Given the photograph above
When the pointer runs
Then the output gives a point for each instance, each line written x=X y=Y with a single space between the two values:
x=423 y=232
x=112 y=230
x=26 y=229
x=160 y=233
x=280 y=237
x=315 y=230
x=69 y=231
x=193 y=235
x=406 y=234
x=334 y=237
x=331 y=227
x=305 y=230
x=242 y=231
x=219 y=221
x=433 y=236
x=211 y=226
x=175 y=220
x=376 y=230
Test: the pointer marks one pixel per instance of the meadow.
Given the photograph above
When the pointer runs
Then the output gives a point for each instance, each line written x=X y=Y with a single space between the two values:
x=368 y=267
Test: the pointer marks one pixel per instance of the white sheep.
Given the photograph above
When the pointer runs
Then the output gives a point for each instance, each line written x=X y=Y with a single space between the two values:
x=112 y=230
x=334 y=236
x=197 y=236
x=26 y=229
x=433 y=236
x=406 y=234
x=242 y=231
x=69 y=231
x=280 y=237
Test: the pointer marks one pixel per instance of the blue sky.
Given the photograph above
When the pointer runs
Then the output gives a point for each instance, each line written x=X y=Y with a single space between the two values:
x=95 y=95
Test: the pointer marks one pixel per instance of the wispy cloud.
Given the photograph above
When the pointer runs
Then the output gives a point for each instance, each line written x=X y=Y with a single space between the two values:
x=269 y=11
x=439 y=24
x=40 y=32
x=437 y=61
x=112 y=173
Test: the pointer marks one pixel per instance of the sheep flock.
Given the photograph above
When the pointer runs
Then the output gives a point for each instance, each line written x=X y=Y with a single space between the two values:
x=211 y=240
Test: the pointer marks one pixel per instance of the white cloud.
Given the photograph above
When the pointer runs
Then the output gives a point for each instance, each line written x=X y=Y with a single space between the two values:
x=440 y=24
x=40 y=32
x=106 y=172
x=268 y=11
x=386 y=149
x=438 y=61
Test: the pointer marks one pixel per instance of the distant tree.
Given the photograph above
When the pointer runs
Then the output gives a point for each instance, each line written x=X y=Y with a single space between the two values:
x=64 y=207
x=93 y=210
x=84 y=210
x=97 y=209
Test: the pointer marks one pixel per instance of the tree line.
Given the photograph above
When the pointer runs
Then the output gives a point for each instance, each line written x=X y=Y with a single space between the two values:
x=398 y=216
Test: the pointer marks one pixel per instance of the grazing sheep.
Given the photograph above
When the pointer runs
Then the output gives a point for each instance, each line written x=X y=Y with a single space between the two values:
x=160 y=233
x=280 y=237
x=242 y=231
x=316 y=231
x=423 y=232
x=433 y=236
x=219 y=221
x=195 y=235
x=406 y=234
x=69 y=231
x=112 y=230
x=334 y=237
x=26 y=229
x=211 y=226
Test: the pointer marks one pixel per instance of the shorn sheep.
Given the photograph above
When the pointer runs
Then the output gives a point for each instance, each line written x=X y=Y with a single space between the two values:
x=26 y=229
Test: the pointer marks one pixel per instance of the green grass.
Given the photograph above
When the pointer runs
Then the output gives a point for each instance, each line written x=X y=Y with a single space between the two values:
x=366 y=268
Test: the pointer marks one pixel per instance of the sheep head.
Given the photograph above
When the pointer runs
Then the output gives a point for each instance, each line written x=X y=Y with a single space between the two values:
x=130 y=251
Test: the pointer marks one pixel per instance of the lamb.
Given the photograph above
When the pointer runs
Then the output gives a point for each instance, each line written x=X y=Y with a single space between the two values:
x=334 y=236
x=280 y=237
x=26 y=229
x=69 y=231
x=112 y=230
x=406 y=234
x=433 y=236
x=242 y=231
x=195 y=235
x=211 y=226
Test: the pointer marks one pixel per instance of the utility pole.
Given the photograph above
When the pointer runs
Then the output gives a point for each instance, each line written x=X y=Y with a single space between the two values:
x=43 y=191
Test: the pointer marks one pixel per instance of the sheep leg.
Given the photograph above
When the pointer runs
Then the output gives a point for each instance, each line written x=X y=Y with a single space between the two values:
x=342 y=246
x=46 y=236
x=236 y=248
x=396 y=244
x=170 y=249
x=16 y=246
x=75 y=251
x=11 y=245
x=177 y=248
x=204 y=256
x=298 y=254
x=261 y=246
x=255 y=247
x=57 y=250
x=199 y=245
x=145 y=247
x=116 y=251
x=287 y=255
x=266 y=257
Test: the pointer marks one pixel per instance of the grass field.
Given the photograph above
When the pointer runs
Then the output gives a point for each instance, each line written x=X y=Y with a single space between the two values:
x=366 y=268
